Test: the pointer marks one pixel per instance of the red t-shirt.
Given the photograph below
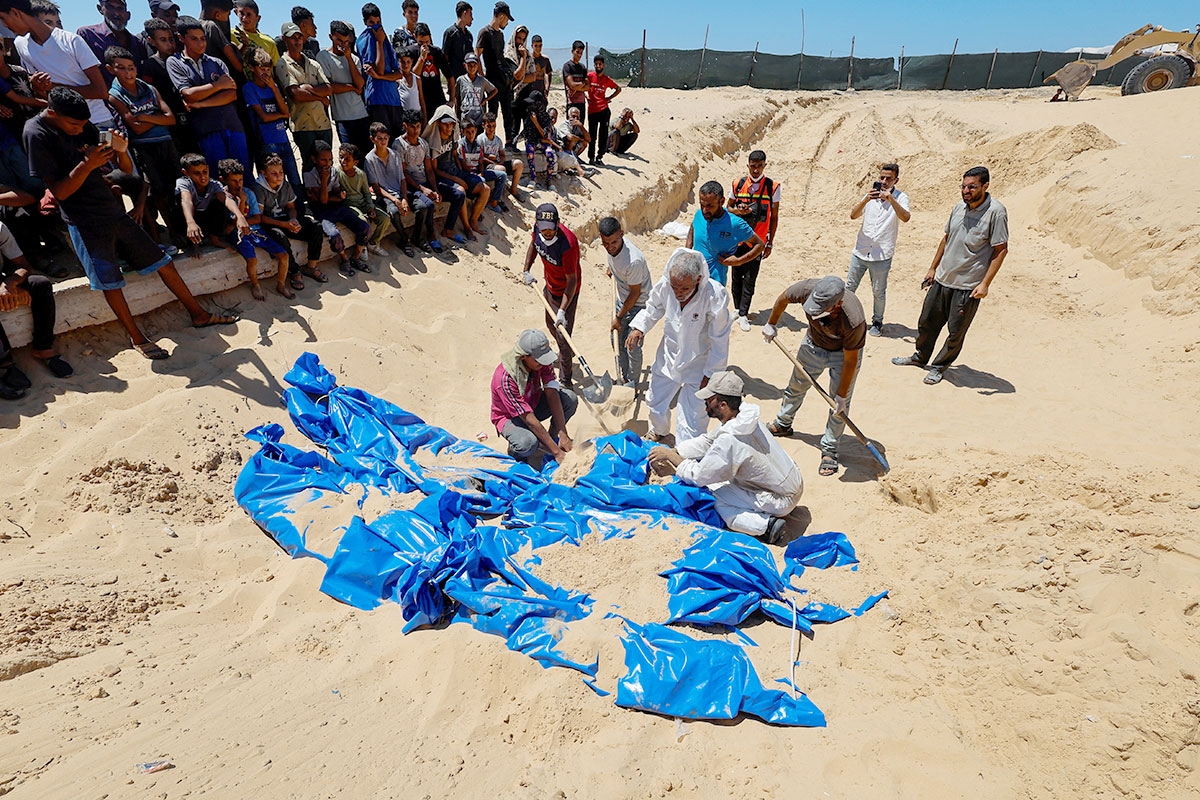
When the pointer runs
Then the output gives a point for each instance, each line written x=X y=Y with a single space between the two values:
x=598 y=86
x=560 y=259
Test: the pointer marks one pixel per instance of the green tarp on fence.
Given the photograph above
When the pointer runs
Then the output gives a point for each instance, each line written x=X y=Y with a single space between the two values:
x=688 y=69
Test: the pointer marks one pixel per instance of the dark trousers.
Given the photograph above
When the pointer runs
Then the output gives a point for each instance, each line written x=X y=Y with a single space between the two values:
x=744 y=278
x=41 y=306
x=598 y=130
x=952 y=308
x=357 y=133
x=624 y=142
x=453 y=194
x=565 y=352
x=310 y=234
x=504 y=101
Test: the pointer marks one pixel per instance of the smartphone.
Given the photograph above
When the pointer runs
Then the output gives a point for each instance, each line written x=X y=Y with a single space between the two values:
x=105 y=138
x=877 y=186
x=925 y=284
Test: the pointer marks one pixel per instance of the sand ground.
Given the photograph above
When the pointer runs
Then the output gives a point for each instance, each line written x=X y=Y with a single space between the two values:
x=1038 y=531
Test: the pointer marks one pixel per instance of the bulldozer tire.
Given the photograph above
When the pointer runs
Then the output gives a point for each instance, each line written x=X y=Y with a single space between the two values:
x=1157 y=74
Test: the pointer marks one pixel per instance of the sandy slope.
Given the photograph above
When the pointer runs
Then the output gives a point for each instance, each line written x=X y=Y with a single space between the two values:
x=1035 y=533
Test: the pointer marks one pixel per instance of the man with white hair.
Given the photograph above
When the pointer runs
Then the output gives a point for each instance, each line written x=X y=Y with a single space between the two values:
x=754 y=482
x=694 y=346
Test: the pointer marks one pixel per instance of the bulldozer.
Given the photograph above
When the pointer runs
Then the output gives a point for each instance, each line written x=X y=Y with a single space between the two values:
x=1165 y=70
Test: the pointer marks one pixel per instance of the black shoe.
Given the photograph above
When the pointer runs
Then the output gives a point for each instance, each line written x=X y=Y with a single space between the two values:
x=774 y=534
x=9 y=393
x=14 y=378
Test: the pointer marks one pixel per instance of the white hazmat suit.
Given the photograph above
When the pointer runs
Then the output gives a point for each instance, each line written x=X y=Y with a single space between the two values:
x=750 y=475
x=695 y=345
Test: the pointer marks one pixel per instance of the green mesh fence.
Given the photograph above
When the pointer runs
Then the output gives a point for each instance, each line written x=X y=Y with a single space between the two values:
x=690 y=69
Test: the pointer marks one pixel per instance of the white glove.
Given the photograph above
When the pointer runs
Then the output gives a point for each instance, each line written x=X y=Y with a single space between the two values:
x=527 y=276
x=840 y=406
x=770 y=332
x=561 y=319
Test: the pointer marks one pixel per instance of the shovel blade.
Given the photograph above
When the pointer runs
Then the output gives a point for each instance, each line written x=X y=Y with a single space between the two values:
x=599 y=390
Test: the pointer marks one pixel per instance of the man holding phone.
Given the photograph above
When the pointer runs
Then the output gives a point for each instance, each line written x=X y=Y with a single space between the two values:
x=966 y=262
x=882 y=210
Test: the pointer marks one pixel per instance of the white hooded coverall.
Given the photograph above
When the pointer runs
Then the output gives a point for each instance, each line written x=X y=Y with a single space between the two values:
x=695 y=344
x=750 y=475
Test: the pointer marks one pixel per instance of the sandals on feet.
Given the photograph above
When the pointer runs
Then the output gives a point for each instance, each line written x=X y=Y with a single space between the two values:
x=829 y=466
x=151 y=350
x=408 y=251
x=775 y=429
x=214 y=319
x=316 y=275
x=296 y=282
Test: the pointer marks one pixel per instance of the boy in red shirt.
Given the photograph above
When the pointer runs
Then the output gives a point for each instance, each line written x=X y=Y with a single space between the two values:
x=559 y=250
x=598 y=113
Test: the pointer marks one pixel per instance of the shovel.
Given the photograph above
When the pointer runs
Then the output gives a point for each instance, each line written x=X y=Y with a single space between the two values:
x=857 y=433
x=601 y=387
x=612 y=335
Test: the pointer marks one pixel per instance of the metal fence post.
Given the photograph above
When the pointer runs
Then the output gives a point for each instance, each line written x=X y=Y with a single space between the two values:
x=703 y=50
x=753 y=61
x=1035 y=66
x=900 y=77
x=992 y=69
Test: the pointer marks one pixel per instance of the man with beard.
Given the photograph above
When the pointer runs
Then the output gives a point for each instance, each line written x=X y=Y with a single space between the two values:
x=716 y=234
x=111 y=32
x=754 y=482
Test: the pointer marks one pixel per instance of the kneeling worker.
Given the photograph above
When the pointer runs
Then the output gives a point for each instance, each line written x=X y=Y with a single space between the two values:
x=525 y=393
x=754 y=481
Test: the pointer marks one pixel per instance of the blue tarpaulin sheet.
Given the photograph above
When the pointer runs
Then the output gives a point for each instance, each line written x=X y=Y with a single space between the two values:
x=452 y=558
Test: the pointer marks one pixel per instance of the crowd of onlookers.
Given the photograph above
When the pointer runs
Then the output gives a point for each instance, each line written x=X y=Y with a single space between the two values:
x=224 y=134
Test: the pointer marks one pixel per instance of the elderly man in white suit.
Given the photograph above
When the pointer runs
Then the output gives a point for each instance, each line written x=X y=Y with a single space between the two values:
x=695 y=342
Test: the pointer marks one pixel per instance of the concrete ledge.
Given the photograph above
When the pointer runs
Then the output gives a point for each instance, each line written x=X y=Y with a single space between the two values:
x=217 y=270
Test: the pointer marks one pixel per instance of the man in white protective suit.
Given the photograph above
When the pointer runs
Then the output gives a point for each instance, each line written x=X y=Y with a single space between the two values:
x=695 y=342
x=754 y=481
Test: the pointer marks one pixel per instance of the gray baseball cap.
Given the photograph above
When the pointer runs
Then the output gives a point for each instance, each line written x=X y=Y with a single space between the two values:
x=825 y=295
x=725 y=382
x=534 y=343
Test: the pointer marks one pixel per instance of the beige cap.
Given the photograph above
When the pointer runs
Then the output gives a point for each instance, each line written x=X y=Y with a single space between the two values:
x=724 y=382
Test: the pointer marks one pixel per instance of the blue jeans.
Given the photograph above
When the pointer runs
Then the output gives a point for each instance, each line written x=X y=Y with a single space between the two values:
x=816 y=360
x=225 y=144
x=498 y=179
x=879 y=275
x=453 y=194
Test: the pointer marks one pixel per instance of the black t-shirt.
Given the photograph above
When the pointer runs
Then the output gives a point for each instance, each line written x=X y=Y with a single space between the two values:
x=432 y=70
x=491 y=42
x=154 y=72
x=574 y=70
x=52 y=156
x=456 y=43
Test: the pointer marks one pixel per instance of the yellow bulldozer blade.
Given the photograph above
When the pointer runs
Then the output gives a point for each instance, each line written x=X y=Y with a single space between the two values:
x=1074 y=77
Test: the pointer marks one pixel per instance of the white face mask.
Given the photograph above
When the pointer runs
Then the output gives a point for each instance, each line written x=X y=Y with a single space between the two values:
x=548 y=242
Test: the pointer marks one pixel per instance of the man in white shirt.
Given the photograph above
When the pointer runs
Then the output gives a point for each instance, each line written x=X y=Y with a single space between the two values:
x=56 y=57
x=882 y=210
x=628 y=269
x=694 y=309
x=754 y=482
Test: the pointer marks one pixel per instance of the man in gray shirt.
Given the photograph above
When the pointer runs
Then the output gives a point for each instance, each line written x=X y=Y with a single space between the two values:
x=968 y=258
x=837 y=331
